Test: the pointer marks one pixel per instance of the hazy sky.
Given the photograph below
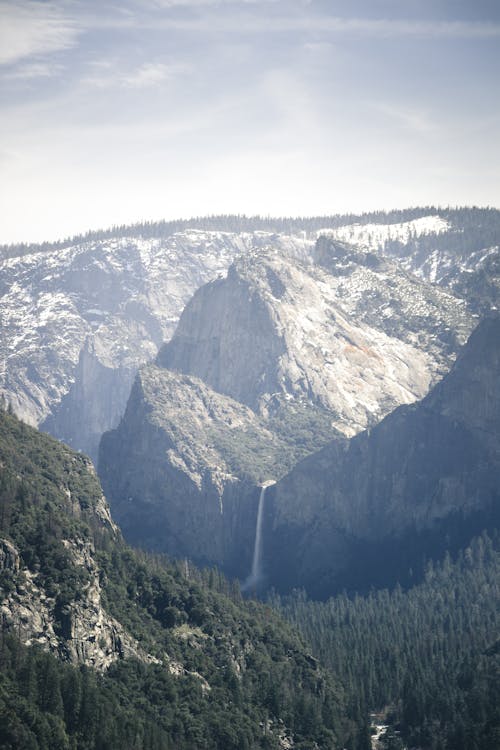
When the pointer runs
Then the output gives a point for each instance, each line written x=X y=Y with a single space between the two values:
x=113 y=112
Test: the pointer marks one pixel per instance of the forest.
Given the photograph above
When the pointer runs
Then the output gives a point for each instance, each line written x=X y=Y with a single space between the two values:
x=241 y=676
x=427 y=658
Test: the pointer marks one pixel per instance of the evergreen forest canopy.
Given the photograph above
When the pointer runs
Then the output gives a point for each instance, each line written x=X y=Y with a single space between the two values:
x=428 y=658
x=473 y=228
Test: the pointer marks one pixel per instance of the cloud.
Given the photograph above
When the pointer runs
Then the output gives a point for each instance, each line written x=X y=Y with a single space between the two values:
x=148 y=75
x=388 y=27
x=198 y=3
x=29 y=28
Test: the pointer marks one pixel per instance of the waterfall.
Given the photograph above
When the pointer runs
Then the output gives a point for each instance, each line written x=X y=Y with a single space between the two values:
x=256 y=572
x=257 y=550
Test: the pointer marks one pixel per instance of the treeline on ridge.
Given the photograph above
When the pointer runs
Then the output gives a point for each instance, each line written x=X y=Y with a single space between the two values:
x=480 y=224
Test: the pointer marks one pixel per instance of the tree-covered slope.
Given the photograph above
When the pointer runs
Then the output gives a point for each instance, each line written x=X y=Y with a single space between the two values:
x=102 y=647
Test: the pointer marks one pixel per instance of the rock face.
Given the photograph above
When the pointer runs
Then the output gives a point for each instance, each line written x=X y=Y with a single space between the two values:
x=9 y=556
x=347 y=331
x=80 y=632
x=427 y=470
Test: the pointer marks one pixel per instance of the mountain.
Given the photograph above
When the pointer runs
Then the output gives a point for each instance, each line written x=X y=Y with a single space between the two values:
x=103 y=647
x=79 y=320
x=80 y=316
x=367 y=511
x=337 y=329
x=267 y=365
x=184 y=483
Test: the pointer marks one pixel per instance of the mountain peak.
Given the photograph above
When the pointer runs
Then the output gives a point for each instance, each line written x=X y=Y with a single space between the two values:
x=470 y=393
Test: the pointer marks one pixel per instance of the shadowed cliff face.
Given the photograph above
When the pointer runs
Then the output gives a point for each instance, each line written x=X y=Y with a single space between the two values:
x=93 y=403
x=427 y=471
x=182 y=470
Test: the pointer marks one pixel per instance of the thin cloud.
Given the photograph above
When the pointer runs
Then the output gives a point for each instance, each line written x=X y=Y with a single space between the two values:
x=388 y=27
x=147 y=75
x=33 y=70
x=150 y=74
x=33 y=28
x=411 y=118
x=261 y=23
x=198 y=3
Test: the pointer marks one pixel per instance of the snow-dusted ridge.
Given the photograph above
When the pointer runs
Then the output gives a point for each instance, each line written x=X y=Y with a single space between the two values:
x=345 y=330
x=373 y=237
x=77 y=321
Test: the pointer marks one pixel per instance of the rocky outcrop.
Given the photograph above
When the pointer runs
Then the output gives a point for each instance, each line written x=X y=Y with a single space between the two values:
x=81 y=631
x=9 y=556
x=428 y=470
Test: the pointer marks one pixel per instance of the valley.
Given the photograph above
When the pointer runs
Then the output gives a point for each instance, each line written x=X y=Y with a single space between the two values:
x=304 y=412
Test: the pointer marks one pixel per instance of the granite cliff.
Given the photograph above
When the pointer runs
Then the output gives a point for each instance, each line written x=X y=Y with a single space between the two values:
x=343 y=329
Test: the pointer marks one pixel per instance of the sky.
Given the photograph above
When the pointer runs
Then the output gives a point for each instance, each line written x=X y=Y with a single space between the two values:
x=121 y=111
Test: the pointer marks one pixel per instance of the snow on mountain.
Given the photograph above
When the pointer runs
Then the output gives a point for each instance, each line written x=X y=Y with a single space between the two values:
x=346 y=330
x=436 y=250
x=78 y=321
x=373 y=237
